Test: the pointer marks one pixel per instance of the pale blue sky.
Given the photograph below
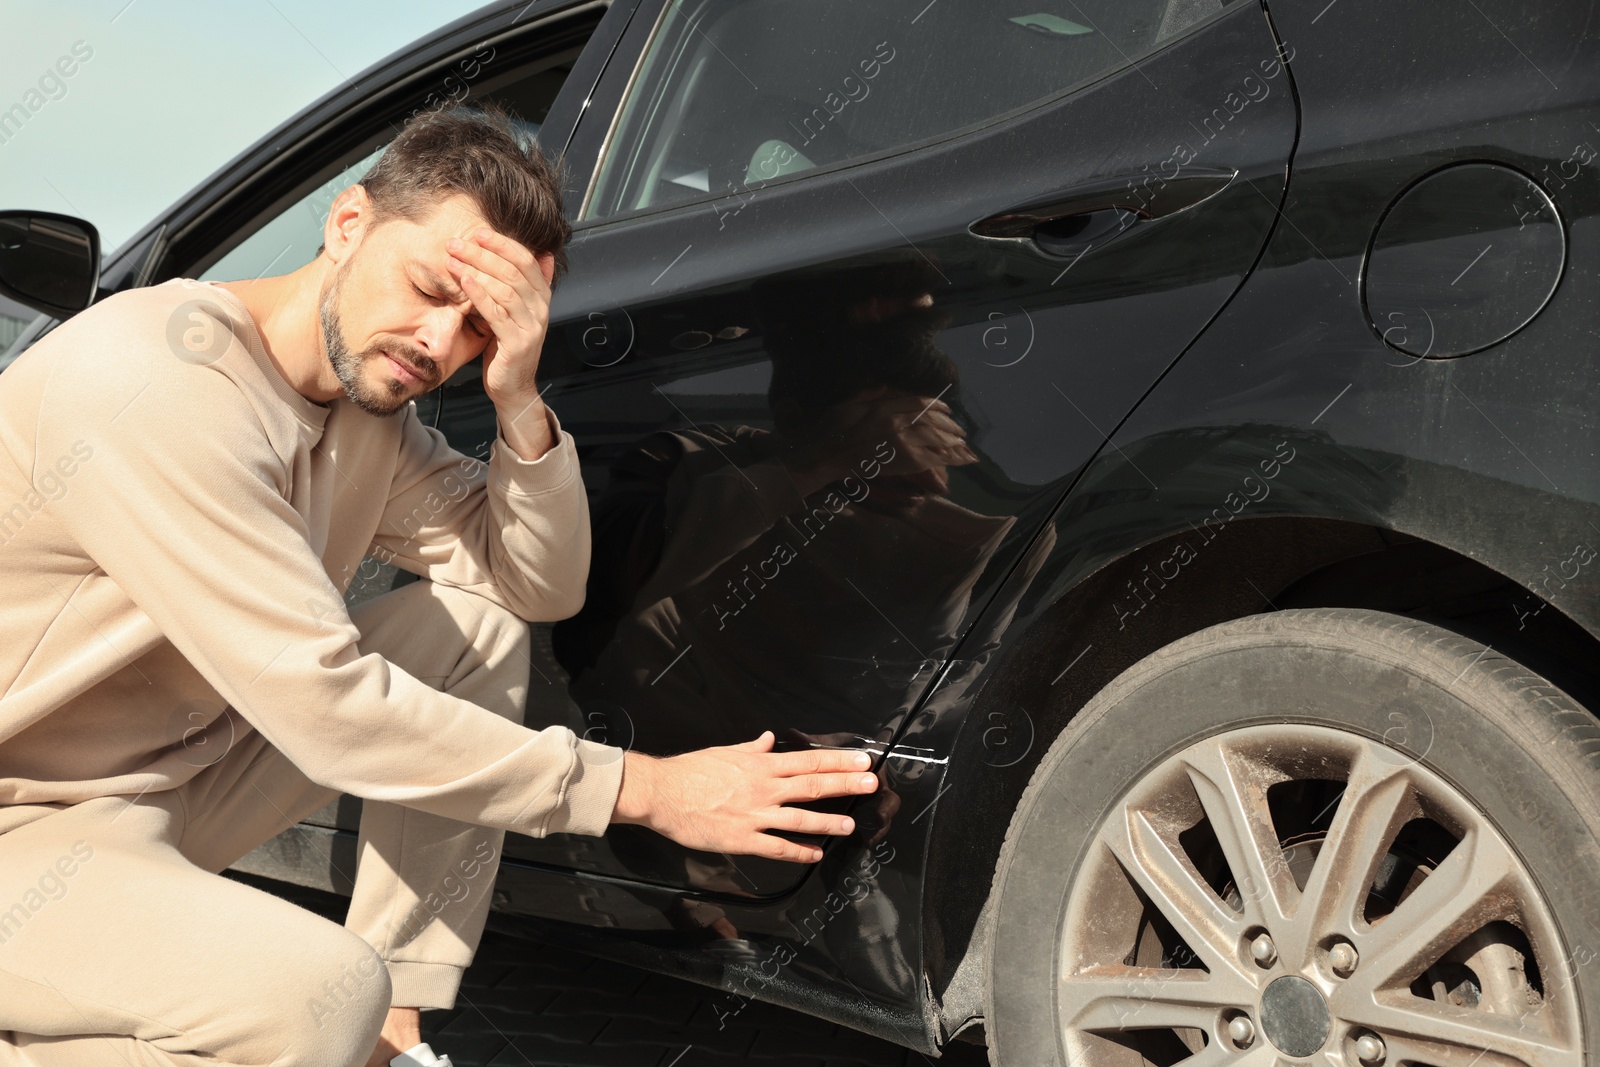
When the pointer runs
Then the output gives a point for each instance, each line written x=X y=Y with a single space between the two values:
x=172 y=91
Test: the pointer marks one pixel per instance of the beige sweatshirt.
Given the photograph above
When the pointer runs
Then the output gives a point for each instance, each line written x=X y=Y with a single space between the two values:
x=177 y=529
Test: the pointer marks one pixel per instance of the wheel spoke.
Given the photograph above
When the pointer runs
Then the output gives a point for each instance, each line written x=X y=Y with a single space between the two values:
x=1140 y=998
x=1370 y=813
x=1197 y=914
x=1237 y=810
x=1448 y=1036
x=1452 y=889
x=1476 y=884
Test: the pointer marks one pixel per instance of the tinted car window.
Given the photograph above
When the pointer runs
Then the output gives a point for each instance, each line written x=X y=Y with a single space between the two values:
x=733 y=93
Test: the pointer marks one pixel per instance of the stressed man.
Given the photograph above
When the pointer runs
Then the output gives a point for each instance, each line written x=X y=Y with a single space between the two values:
x=200 y=470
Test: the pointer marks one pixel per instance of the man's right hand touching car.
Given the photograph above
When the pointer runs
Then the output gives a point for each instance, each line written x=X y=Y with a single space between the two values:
x=724 y=799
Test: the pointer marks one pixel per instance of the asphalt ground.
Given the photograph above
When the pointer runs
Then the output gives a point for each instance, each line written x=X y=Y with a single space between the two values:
x=527 y=1005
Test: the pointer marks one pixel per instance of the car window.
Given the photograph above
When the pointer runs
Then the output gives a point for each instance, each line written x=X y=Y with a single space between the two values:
x=14 y=321
x=734 y=93
x=291 y=239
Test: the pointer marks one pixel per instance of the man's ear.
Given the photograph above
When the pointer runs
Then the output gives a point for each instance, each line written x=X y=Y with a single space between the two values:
x=348 y=219
x=547 y=266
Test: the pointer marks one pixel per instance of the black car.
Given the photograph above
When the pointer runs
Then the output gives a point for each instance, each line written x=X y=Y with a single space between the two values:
x=1235 y=695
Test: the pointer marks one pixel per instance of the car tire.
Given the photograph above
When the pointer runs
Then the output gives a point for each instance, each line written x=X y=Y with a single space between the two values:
x=1169 y=892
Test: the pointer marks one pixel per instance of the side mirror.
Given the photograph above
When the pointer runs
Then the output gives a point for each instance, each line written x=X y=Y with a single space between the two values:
x=49 y=262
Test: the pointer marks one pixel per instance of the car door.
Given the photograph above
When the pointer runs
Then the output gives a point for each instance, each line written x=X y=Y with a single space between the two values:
x=812 y=227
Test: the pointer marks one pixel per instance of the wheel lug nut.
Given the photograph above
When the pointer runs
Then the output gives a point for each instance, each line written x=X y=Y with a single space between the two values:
x=1263 y=950
x=1241 y=1031
x=1370 y=1050
x=1342 y=958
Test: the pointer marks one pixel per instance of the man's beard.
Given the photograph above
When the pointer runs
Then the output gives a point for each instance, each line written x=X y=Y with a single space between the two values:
x=389 y=398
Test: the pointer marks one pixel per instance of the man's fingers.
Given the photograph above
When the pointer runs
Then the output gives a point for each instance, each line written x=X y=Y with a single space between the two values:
x=934 y=419
x=514 y=252
x=476 y=256
x=819 y=786
x=478 y=285
x=501 y=280
x=817 y=761
x=761 y=743
x=776 y=848
x=801 y=821
x=519 y=259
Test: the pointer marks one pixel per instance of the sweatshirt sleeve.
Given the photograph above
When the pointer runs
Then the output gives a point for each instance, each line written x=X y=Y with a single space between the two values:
x=515 y=531
x=188 y=516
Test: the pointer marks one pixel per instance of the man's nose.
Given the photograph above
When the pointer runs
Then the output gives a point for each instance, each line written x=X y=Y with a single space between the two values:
x=441 y=334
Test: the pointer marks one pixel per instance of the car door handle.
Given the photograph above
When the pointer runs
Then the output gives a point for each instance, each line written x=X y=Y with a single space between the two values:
x=1067 y=223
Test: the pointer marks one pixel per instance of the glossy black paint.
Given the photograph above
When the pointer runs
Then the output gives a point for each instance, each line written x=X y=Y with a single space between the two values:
x=1047 y=352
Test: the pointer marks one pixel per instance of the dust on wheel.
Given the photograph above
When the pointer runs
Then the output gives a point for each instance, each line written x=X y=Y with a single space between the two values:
x=1232 y=856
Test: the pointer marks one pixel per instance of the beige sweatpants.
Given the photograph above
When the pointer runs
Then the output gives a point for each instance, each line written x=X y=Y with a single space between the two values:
x=121 y=945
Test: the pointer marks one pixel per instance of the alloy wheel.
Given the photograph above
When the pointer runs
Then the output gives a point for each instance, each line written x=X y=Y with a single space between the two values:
x=1301 y=894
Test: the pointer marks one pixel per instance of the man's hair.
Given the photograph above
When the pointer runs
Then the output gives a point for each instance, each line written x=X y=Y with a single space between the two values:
x=478 y=151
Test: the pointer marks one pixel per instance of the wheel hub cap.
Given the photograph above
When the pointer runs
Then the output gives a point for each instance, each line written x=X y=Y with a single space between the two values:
x=1294 y=1016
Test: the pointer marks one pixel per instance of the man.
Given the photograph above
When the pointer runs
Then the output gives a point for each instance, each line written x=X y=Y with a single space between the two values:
x=198 y=470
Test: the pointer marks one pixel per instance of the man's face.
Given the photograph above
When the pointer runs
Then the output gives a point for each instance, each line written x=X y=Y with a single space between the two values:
x=395 y=324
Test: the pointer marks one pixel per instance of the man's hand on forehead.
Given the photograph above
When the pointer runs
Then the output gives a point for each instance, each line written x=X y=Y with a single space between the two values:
x=510 y=287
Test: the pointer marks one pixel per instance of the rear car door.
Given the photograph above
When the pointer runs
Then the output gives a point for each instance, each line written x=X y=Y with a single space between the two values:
x=802 y=217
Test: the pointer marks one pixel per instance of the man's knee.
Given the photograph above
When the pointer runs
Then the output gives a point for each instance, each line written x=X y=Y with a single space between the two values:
x=341 y=1006
x=456 y=640
x=497 y=663
x=502 y=633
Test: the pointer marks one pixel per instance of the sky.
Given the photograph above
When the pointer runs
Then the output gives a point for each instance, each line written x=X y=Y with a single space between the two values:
x=163 y=92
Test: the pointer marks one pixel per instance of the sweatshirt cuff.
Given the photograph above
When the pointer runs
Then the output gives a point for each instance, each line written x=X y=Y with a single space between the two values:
x=591 y=792
x=532 y=476
x=423 y=985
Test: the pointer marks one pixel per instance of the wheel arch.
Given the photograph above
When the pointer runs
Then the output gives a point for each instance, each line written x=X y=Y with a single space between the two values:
x=1088 y=635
